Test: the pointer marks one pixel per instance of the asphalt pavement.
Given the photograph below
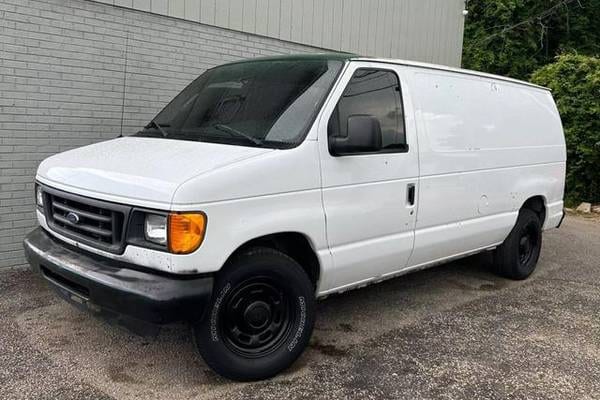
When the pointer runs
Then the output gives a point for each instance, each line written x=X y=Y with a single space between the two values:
x=451 y=332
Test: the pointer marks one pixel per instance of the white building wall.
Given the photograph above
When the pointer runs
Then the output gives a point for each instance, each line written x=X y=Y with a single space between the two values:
x=75 y=72
x=422 y=30
x=63 y=84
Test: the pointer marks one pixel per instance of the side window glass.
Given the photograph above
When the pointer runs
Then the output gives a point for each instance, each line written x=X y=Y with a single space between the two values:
x=374 y=93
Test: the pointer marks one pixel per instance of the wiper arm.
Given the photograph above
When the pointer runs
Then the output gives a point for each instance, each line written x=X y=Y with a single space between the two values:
x=157 y=125
x=228 y=129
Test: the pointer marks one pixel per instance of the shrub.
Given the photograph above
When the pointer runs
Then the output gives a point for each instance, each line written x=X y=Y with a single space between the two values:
x=575 y=83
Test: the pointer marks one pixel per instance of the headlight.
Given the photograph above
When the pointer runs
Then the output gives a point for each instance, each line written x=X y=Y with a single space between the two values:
x=179 y=233
x=155 y=228
x=186 y=232
x=39 y=196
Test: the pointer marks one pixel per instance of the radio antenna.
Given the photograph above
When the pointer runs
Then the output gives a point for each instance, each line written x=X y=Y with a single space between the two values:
x=124 y=83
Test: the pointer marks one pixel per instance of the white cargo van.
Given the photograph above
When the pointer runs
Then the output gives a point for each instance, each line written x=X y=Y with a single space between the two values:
x=266 y=184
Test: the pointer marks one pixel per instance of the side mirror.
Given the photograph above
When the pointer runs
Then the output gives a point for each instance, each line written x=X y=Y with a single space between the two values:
x=363 y=135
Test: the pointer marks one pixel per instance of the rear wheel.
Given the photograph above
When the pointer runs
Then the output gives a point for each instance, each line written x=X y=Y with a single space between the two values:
x=260 y=318
x=517 y=257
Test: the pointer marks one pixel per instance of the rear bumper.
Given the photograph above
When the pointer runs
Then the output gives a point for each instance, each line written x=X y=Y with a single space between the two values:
x=115 y=291
x=555 y=213
x=562 y=218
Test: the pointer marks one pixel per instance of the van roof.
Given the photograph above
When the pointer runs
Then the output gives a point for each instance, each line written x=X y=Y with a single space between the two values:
x=449 y=69
x=340 y=56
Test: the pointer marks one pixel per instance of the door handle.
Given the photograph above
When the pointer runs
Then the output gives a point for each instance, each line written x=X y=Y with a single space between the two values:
x=410 y=194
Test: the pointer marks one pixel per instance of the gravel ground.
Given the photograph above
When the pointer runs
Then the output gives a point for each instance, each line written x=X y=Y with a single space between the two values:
x=454 y=331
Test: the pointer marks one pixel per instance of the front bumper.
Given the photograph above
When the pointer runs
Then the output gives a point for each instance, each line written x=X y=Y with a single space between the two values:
x=116 y=291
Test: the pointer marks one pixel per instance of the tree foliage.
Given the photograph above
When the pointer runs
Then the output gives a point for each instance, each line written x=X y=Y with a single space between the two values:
x=575 y=83
x=554 y=43
x=516 y=37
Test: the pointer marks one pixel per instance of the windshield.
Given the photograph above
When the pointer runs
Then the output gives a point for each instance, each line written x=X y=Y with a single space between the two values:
x=268 y=103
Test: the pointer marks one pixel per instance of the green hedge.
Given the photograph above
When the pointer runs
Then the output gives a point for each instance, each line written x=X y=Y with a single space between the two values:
x=575 y=83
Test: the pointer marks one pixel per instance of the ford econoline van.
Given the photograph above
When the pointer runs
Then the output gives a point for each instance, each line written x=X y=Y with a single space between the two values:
x=267 y=184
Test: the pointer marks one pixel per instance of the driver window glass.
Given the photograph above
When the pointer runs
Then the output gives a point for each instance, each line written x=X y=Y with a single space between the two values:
x=377 y=93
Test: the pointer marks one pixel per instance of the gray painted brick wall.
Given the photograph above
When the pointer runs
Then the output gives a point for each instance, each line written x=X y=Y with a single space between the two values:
x=62 y=73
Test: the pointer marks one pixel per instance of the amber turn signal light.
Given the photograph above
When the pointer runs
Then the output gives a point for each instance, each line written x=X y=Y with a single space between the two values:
x=186 y=232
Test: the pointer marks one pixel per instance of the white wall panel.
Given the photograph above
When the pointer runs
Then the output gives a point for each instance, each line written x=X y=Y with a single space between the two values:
x=192 y=10
x=159 y=6
x=273 y=18
x=177 y=9
x=285 y=27
x=423 y=30
x=336 y=22
x=143 y=5
x=262 y=17
x=207 y=11
x=67 y=84
x=248 y=16
x=296 y=17
x=221 y=13
x=236 y=14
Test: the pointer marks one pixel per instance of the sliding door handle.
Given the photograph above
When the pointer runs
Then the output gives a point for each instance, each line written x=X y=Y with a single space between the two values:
x=410 y=194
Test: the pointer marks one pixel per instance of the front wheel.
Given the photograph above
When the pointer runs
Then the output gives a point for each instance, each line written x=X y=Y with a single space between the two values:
x=260 y=318
x=517 y=257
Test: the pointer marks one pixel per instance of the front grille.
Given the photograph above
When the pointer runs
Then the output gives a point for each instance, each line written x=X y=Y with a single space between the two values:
x=96 y=223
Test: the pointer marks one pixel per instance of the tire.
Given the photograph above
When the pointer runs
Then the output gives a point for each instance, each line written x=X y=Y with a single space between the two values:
x=517 y=257
x=260 y=318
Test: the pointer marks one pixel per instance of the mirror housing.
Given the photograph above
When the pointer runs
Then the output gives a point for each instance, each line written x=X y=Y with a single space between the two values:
x=363 y=135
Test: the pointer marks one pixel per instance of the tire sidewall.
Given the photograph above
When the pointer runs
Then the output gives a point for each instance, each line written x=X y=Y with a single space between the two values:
x=526 y=217
x=300 y=292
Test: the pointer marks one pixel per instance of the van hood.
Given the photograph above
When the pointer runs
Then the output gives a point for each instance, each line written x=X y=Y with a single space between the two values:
x=135 y=168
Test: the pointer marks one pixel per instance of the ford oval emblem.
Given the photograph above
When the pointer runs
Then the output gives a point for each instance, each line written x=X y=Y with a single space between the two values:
x=72 y=218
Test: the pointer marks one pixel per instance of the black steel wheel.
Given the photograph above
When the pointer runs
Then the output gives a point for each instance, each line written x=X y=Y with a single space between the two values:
x=528 y=243
x=517 y=257
x=260 y=318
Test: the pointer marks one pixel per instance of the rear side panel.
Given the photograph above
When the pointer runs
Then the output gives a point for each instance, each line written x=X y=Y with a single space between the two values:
x=486 y=146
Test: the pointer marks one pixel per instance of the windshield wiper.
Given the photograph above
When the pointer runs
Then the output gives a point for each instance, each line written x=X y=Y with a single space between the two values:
x=157 y=125
x=228 y=129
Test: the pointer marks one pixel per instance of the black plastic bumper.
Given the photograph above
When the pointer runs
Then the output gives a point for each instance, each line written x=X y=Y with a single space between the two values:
x=115 y=291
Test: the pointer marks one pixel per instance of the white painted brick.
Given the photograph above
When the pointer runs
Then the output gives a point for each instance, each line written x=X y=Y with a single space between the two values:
x=61 y=80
